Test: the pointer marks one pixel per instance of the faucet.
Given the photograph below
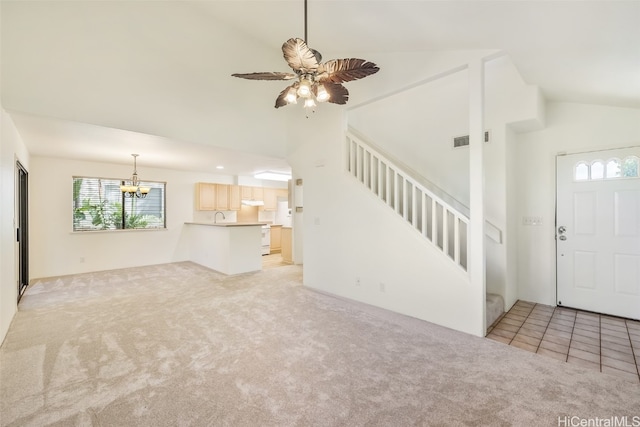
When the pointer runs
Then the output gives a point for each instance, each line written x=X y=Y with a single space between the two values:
x=215 y=217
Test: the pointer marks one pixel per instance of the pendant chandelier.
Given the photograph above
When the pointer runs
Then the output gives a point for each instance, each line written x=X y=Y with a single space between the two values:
x=133 y=189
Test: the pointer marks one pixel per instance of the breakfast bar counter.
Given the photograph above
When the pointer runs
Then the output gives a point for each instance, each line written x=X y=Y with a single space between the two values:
x=229 y=248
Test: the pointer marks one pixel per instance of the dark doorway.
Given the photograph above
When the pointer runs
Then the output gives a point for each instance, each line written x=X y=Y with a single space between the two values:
x=22 y=232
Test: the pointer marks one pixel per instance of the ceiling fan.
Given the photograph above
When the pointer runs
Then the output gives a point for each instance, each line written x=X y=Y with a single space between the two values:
x=315 y=80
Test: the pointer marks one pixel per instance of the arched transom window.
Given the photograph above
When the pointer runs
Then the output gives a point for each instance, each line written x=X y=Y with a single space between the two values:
x=610 y=169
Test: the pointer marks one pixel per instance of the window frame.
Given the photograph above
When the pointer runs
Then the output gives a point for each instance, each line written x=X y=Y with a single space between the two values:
x=605 y=177
x=122 y=200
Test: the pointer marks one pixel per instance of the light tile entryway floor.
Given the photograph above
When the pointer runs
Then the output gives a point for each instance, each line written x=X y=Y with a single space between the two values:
x=272 y=261
x=604 y=343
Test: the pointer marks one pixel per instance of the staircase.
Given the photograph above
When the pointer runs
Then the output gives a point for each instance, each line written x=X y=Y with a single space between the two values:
x=443 y=223
x=433 y=218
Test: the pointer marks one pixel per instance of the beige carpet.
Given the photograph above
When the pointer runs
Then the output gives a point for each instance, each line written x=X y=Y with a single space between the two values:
x=179 y=345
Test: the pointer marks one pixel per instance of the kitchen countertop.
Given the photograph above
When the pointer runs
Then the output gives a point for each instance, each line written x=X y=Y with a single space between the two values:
x=229 y=224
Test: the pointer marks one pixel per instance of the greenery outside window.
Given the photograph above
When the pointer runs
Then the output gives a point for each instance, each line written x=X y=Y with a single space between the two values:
x=98 y=204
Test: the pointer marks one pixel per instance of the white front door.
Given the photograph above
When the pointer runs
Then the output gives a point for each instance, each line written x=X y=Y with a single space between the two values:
x=598 y=232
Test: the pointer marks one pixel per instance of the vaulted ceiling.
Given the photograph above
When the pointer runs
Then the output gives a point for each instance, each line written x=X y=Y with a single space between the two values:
x=99 y=80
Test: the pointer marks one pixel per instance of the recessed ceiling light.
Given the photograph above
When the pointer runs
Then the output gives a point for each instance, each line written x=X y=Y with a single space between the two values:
x=219 y=167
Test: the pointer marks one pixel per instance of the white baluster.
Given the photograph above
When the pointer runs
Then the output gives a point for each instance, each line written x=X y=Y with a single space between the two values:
x=445 y=230
x=456 y=239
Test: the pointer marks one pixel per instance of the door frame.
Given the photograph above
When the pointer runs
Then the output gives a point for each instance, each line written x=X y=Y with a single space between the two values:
x=22 y=227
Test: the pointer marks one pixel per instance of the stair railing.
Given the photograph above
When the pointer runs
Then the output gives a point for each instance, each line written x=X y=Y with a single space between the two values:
x=436 y=220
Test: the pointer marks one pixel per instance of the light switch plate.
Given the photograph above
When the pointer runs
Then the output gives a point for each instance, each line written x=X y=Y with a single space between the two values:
x=531 y=220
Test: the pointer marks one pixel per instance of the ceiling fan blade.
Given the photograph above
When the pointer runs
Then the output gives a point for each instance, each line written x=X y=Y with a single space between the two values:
x=317 y=54
x=338 y=94
x=280 y=101
x=269 y=75
x=299 y=56
x=346 y=70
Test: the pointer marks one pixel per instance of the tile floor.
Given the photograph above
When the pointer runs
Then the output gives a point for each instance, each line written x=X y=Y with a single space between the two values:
x=604 y=343
x=272 y=261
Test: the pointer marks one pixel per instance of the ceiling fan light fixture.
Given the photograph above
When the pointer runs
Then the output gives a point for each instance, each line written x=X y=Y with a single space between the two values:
x=291 y=97
x=304 y=90
x=322 y=95
x=315 y=81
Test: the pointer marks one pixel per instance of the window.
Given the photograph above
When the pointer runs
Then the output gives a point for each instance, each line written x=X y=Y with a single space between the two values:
x=582 y=171
x=630 y=167
x=614 y=168
x=98 y=204
x=597 y=170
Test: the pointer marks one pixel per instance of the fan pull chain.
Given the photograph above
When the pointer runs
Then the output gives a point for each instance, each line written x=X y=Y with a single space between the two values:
x=306 y=111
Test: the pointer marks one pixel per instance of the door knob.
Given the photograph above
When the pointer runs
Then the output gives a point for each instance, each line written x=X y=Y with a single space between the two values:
x=562 y=229
x=562 y=237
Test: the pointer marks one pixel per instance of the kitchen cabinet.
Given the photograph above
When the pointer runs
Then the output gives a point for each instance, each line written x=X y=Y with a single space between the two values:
x=271 y=196
x=222 y=197
x=234 y=197
x=213 y=197
x=276 y=238
x=206 y=196
x=258 y=193
x=252 y=193
x=246 y=192
x=286 y=245
x=270 y=199
x=282 y=193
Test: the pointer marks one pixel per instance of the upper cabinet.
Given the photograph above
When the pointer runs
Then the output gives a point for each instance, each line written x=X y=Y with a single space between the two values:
x=217 y=197
x=206 y=196
x=234 y=197
x=282 y=193
x=252 y=193
x=258 y=193
x=246 y=192
x=270 y=199
x=225 y=197
x=271 y=196
x=222 y=197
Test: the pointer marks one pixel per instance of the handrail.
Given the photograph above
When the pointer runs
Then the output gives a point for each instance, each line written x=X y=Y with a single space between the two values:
x=492 y=231
x=419 y=178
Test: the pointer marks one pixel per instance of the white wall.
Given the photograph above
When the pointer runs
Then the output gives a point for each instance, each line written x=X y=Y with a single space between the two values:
x=55 y=250
x=417 y=126
x=510 y=104
x=11 y=150
x=513 y=223
x=570 y=128
x=347 y=230
x=350 y=235
x=400 y=71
